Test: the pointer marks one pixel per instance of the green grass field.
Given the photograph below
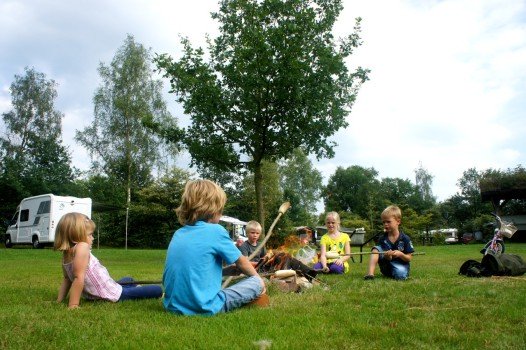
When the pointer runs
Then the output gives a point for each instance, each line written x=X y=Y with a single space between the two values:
x=435 y=309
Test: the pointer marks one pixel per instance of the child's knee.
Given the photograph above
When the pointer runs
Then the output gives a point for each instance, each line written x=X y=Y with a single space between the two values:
x=339 y=269
x=400 y=272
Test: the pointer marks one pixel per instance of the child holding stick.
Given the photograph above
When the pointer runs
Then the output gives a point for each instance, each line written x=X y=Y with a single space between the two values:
x=336 y=242
x=248 y=247
x=193 y=269
x=394 y=250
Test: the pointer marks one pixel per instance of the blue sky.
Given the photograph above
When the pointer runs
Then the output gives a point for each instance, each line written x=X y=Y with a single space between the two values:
x=447 y=85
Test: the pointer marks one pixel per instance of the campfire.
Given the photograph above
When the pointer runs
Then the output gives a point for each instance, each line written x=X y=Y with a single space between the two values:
x=286 y=272
x=285 y=266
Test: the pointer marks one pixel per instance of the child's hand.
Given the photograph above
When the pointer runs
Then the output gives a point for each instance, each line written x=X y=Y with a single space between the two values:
x=264 y=290
x=339 y=262
x=390 y=254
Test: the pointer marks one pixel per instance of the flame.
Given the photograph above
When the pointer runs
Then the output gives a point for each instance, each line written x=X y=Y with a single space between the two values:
x=290 y=246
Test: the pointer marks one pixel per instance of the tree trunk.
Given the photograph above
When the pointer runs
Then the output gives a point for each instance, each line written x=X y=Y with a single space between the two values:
x=128 y=179
x=258 y=183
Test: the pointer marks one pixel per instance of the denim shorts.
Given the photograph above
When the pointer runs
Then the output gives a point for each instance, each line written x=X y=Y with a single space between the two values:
x=241 y=293
x=394 y=269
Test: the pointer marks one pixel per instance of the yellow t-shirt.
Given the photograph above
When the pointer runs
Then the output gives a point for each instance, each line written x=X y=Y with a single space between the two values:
x=336 y=245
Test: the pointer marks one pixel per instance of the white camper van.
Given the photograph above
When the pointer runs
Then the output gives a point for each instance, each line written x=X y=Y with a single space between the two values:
x=235 y=228
x=450 y=234
x=36 y=218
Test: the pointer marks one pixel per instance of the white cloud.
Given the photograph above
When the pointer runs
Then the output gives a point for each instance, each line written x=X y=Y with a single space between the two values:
x=447 y=80
x=442 y=76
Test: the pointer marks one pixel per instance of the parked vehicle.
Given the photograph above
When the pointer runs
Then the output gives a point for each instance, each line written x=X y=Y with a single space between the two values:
x=235 y=228
x=468 y=237
x=450 y=234
x=36 y=218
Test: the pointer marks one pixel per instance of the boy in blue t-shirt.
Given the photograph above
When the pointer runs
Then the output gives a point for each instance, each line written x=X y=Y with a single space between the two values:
x=194 y=261
x=394 y=250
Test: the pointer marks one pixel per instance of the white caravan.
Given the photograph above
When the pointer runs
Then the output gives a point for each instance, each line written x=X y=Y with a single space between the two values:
x=36 y=218
x=235 y=228
x=450 y=234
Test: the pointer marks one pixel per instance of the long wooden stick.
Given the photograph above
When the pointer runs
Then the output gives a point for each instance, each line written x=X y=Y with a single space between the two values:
x=370 y=253
x=139 y=282
x=282 y=210
x=266 y=274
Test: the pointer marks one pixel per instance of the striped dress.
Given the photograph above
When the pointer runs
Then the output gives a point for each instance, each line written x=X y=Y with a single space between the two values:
x=97 y=283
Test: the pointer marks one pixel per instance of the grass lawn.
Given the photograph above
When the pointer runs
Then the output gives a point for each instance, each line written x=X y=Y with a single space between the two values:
x=434 y=309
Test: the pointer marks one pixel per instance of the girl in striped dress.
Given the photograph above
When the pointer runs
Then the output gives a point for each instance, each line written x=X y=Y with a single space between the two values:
x=83 y=273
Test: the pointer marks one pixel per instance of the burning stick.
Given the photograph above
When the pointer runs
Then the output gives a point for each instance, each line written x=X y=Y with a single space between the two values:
x=282 y=209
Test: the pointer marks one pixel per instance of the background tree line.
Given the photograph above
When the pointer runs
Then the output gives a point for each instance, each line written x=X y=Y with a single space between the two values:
x=275 y=89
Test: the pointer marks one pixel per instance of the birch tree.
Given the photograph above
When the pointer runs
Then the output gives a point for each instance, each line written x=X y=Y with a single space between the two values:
x=120 y=145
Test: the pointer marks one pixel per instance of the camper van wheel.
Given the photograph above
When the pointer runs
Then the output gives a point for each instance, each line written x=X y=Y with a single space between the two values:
x=36 y=243
x=7 y=241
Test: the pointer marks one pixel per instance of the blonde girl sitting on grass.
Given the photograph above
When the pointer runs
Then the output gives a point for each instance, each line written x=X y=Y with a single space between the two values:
x=83 y=274
x=336 y=242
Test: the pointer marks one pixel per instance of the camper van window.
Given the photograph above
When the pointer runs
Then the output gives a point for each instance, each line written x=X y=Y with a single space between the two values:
x=24 y=215
x=37 y=220
x=44 y=207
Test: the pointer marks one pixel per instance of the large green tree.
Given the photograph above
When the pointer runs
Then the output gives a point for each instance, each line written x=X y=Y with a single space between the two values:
x=302 y=186
x=465 y=209
x=274 y=79
x=396 y=190
x=353 y=189
x=120 y=145
x=506 y=188
x=469 y=190
x=33 y=158
x=33 y=117
x=424 y=184
x=154 y=218
x=357 y=190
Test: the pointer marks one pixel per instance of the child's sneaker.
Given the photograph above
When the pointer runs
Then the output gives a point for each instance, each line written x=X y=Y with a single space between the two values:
x=368 y=277
x=262 y=301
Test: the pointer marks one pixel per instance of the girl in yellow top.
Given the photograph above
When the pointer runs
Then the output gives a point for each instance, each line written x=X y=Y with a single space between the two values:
x=337 y=242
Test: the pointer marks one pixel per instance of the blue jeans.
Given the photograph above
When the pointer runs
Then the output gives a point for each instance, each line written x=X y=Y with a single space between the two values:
x=392 y=268
x=133 y=291
x=241 y=293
